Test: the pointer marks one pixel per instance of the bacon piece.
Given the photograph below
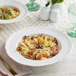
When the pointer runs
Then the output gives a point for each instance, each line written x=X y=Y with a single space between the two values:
x=43 y=36
x=55 y=40
x=33 y=49
x=24 y=37
x=54 y=48
x=25 y=55
x=45 y=55
x=35 y=37
x=15 y=10
x=18 y=48
x=39 y=46
x=32 y=43
x=32 y=38
x=48 y=39
x=22 y=54
x=30 y=52
x=0 y=16
x=39 y=57
x=5 y=11
x=55 y=53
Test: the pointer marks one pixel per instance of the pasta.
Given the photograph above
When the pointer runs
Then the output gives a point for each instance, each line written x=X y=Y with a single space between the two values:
x=38 y=47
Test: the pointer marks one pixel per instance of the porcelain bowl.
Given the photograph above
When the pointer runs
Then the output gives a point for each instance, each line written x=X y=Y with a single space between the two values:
x=21 y=7
x=13 y=40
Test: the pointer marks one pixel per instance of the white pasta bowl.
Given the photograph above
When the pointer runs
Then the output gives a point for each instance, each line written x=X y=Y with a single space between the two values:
x=12 y=3
x=13 y=40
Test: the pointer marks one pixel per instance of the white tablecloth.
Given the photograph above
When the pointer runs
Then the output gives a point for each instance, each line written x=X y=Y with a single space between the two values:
x=67 y=67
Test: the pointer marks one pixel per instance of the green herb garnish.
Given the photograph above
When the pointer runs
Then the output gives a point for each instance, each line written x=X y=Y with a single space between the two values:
x=9 y=13
x=1 y=8
x=2 y=16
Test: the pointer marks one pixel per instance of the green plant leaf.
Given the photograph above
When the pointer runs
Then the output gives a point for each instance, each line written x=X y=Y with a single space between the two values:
x=54 y=1
x=48 y=3
x=60 y=1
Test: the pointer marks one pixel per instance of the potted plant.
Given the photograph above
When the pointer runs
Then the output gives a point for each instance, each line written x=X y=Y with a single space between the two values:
x=46 y=11
x=53 y=2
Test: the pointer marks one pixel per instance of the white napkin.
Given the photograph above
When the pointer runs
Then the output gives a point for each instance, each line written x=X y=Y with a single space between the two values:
x=20 y=69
